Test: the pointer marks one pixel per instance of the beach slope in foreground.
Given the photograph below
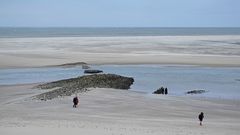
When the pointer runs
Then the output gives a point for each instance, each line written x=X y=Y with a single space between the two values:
x=110 y=111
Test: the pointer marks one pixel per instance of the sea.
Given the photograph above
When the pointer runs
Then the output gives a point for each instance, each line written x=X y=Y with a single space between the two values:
x=114 y=31
x=218 y=82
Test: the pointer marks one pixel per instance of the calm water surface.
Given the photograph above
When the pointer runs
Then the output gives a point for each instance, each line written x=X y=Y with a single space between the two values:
x=219 y=82
x=109 y=32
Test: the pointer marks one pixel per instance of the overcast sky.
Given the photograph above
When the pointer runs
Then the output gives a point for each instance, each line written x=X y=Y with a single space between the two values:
x=120 y=13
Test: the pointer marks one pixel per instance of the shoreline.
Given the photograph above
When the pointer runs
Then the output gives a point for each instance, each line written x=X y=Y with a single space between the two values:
x=148 y=94
x=32 y=87
x=190 y=63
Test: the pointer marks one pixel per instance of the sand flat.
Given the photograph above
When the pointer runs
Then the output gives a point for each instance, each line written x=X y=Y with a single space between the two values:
x=117 y=112
x=110 y=111
x=191 y=50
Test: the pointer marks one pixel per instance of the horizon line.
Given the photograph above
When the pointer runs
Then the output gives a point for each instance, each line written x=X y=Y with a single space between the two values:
x=106 y=27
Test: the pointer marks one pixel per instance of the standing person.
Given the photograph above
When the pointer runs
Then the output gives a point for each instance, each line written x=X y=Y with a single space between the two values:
x=161 y=90
x=200 y=117
x=75 y=102
x=166 y=91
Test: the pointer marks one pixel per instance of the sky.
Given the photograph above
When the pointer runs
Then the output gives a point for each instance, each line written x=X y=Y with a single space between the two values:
x=119 y=13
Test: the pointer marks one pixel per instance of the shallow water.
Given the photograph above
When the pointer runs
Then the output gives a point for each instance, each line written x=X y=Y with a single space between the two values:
x=219 y=82
x=36 y=75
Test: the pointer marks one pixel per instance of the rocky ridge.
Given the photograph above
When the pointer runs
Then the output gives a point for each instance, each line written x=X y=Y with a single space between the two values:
x=72 y=86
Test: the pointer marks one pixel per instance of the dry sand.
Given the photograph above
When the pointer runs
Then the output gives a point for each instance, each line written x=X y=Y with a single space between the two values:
x=117 y=112
x=193 y=50
x=114 y=112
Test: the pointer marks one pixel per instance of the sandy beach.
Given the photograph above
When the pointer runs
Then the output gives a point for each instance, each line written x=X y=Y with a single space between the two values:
x=120 y=112
x=111 y=111
x=188 y=50
x=127 y=67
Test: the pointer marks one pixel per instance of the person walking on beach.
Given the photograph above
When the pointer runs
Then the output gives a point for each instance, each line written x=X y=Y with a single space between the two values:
x=75 y=102
x=200 y=117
